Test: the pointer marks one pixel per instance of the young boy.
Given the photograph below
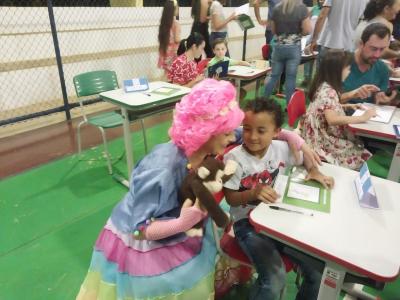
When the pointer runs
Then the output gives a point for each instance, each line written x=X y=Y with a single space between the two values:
x=220 y=47
x=260 y=159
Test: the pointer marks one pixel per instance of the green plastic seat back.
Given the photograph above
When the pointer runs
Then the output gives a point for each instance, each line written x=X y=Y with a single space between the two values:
x=91 y=83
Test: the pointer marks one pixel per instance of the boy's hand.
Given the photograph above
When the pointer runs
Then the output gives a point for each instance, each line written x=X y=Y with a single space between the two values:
x=266 y=194
x=327 y=181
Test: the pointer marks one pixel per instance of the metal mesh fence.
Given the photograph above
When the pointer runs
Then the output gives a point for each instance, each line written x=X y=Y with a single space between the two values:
x=28 y=79
x=92 y=35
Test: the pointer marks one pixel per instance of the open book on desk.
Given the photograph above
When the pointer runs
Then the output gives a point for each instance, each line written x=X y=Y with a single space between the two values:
x=383 y=112
x=295 y=190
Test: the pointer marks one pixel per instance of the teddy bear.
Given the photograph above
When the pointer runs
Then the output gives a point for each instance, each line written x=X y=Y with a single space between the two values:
x=206 y=181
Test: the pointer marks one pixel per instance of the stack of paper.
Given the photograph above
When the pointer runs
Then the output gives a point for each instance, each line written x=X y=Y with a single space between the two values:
x=242 y=10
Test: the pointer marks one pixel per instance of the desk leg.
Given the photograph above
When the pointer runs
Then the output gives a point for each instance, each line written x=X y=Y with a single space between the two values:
x=394 y=171
x=257 y=87
x=355 y=290
x=128 y=143
x=331 y=283
x=237 y=83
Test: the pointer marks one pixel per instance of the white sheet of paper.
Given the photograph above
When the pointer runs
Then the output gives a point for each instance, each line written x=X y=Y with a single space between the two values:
x=280 y=186
x=303 y=192
x=243 y=9
x=384 y=112
x=164 y=90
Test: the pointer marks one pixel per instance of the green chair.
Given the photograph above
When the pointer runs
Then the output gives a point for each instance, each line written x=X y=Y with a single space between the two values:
x=93 y=83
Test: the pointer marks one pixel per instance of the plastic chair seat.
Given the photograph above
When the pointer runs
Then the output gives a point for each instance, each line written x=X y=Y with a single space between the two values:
x=296 y=107
x=106 y=120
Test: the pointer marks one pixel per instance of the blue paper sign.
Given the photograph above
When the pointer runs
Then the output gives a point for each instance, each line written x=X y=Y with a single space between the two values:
x=136 y=84
x=365 y=190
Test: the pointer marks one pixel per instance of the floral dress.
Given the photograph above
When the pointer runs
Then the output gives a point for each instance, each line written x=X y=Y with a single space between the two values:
x=335 y=144
x=165 y=61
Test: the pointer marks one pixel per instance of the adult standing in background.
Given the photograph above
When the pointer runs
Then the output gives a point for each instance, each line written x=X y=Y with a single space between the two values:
x=289 y=21
x=342 y=17
x=396 y=27
x=271 y=4
x=219 y=24
x=169 y=35
x=200 y=15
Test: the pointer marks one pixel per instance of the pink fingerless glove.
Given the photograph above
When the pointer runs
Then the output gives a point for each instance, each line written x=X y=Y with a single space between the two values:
x=160 y=229
x=291 y=138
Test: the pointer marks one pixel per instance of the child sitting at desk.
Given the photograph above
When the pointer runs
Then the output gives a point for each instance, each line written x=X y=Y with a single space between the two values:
x=220 y=46
x=324 y=125
x=260 y=159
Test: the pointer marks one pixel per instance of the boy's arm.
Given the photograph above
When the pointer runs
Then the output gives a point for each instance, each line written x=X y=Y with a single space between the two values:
x=262 y=193
x=236 y=198
x=315 y=174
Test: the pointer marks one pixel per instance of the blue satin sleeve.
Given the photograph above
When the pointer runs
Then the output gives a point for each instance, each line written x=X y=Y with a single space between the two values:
x=154 y=189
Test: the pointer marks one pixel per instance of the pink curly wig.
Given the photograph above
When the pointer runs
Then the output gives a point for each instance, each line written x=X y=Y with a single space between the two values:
x=209 y=109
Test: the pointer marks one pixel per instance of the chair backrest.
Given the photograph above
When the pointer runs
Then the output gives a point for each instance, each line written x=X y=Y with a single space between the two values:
x=296 y=107
x=95 y=82
x=265 y=50
x=201 y=65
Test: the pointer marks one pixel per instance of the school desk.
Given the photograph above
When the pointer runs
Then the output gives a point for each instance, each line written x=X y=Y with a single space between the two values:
x=349 y=239
x=244 y=73
x=383 y=132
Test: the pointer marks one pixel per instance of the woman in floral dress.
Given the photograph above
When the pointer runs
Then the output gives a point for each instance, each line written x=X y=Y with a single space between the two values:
x=324 y=126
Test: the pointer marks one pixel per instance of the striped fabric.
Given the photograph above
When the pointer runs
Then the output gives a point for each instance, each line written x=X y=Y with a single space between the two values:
x=124 y=268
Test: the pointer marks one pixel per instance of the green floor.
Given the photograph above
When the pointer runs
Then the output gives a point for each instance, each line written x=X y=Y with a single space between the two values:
x=51 y=216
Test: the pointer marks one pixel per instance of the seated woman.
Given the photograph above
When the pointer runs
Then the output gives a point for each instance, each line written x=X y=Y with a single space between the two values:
x=184 y=70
